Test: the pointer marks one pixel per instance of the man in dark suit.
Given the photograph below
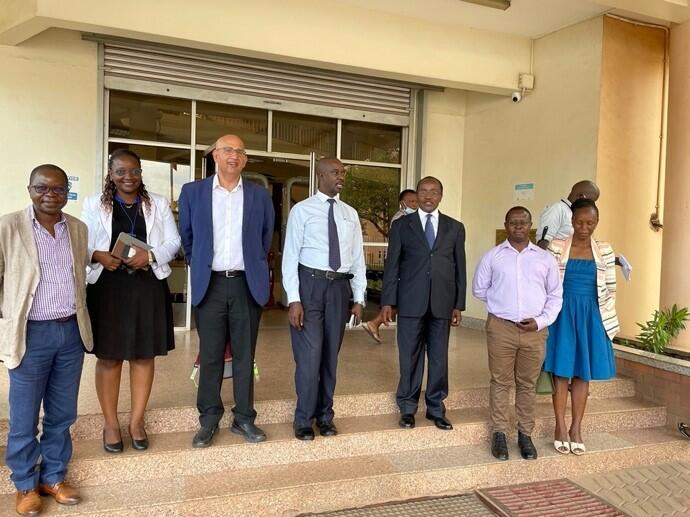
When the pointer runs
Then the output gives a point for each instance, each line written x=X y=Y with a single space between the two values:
x=426 y=260
x=226 y=226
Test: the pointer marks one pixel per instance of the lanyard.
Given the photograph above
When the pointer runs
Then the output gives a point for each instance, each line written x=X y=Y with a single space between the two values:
x=133 y=222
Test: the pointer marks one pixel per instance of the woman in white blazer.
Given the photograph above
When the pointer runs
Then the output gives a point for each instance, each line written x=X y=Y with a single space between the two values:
x=128 y=300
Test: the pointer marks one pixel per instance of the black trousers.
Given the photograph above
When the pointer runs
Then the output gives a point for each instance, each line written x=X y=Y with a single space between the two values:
x=316 y=346
x=228 y=309
x=415 y=336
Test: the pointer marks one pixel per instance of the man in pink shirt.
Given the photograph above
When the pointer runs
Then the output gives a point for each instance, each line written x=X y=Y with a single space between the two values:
x=520 y=285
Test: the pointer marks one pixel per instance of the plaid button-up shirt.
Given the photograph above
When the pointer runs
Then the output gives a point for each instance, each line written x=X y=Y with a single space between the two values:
x=54 y=297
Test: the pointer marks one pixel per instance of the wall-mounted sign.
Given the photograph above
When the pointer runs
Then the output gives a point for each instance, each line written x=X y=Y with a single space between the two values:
x=74 y=188
x=523 y=192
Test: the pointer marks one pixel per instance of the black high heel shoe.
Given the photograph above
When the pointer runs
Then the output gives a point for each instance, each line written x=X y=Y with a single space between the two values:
x=140 y=445
x=113 y=448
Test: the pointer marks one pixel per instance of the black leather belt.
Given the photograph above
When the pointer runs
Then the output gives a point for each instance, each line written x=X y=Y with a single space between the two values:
x=230 y=273
x=330 y=275
x=64 y=320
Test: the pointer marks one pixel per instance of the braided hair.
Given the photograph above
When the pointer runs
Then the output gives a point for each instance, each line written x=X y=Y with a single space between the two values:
x=109 y=187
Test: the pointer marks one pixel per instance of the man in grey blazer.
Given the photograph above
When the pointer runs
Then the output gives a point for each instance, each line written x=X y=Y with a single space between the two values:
x=44 y=328
x=424 y=281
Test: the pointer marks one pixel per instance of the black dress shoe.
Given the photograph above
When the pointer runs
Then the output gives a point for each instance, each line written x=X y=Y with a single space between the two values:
x=250 y=432
x=327 y=429
x=140 y=445
x=304 y=433
x=406 y=421
x=527 y=449
x=113 y=448
x=204 y=437
x=440 y=421
x=499 y=447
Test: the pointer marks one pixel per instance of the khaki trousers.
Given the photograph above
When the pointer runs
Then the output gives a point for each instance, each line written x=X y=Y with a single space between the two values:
x=515 y=359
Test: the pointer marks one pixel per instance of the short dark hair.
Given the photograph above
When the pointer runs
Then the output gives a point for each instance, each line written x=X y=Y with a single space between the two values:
x=582 y=203
x=47 y=167
x=430 y=179
x=406 y=192
x=122 y=153
x=518 y=209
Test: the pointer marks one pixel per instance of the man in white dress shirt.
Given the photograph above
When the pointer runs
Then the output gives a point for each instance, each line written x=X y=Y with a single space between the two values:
x=555 y=221
x=323 y=266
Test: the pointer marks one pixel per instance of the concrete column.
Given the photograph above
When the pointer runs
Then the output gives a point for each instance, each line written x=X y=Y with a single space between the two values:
x=675 y=264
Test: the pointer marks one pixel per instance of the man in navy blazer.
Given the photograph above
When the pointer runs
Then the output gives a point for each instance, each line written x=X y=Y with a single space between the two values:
x=226 y=226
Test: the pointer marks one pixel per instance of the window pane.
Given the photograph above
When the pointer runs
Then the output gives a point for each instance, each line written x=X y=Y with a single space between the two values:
x=373 y=192
x=149 y=117
x=215 y=120
x=301 y=134
x=371 y=142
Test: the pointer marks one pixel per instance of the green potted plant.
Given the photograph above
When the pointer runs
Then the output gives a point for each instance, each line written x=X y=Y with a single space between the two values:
x=665 y=325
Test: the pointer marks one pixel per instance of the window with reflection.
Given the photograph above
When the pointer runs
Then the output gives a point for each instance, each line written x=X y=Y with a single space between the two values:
x=215 y=120
x=366 y=142
x=373 y=192
x=149 y=117
x=302 y=134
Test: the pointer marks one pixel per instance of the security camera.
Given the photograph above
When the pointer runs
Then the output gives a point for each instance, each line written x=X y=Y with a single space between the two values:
x=517 y=97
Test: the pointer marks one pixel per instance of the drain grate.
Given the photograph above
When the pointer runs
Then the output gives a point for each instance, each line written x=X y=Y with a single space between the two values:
x=467 y=505
x=557 y=498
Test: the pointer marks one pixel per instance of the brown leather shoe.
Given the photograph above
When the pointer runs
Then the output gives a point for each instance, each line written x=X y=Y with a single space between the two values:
x=61 y=492
x=28 y=502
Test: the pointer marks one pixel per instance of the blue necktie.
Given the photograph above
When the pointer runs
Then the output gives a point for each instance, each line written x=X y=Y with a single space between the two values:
x=429 y=231
x=333 y=244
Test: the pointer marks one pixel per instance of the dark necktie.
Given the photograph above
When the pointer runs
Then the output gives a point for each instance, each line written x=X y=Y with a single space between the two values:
x=429 y=231
x=333 y=244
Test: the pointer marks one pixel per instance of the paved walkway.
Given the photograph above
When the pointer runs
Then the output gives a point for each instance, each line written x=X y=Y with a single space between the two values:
x=652 y=491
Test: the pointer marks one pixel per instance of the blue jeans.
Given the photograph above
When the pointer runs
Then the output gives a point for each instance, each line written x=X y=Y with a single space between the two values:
x=49 y=372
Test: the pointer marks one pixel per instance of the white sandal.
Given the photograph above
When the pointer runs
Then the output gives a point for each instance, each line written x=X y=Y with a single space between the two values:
x=578 y=449
x=562 y=447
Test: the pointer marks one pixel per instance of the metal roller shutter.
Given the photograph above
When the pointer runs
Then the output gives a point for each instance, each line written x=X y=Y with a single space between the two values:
x=252 y=77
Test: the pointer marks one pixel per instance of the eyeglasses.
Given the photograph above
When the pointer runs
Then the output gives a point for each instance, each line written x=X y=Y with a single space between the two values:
x=230 y=150
x=122 y=172
x=43 y=189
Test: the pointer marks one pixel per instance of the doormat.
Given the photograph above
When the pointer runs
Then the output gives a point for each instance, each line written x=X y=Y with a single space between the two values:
x=557 y=498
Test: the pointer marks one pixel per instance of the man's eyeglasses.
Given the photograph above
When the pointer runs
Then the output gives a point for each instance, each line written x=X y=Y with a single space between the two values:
x=230 y=150
x=122 y=172
x=43 y=189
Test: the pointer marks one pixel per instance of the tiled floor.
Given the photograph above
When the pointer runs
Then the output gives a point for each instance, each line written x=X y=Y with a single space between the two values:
x=364 y=367
x=657 y=490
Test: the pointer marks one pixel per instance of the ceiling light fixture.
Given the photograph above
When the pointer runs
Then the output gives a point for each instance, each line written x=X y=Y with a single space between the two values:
x=494 y=4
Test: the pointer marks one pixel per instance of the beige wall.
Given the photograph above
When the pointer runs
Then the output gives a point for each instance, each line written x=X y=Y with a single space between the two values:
x=341 y=37
x=628 y=160
x=48 y=112
x=675 y=281
x=550 y=138
x=443 y=139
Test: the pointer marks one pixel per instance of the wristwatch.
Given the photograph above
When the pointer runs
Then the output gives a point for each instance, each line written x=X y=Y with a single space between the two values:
x=152 y=259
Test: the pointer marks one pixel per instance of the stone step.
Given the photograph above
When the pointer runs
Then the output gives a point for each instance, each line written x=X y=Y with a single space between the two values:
x=326 y=485
x=171 y=455
x=179 y=419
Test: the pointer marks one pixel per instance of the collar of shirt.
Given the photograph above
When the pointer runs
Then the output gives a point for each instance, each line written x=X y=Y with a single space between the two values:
x=567 y=202
x=63 y=219
x=422 y=216
x=216 y=184
x=323 y=197
x=530 y=246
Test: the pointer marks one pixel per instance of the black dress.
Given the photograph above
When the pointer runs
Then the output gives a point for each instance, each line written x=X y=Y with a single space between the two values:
x=131 y=311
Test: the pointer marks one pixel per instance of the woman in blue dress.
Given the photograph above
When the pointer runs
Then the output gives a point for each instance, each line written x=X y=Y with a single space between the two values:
x=579 y=349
